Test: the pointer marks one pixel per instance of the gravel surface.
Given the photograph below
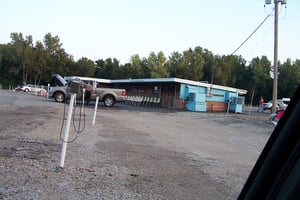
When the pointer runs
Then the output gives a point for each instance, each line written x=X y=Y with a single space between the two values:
x=130 y=153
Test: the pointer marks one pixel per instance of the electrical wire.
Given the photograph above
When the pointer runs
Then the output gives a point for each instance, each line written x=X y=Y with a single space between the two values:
x=77 y=129
x=260 y=41
x=272 y=10
x=251 y=34
x=284 y=12
x=284 y=16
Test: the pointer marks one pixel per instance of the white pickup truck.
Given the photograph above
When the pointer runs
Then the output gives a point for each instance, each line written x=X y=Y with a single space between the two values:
x=59 y=90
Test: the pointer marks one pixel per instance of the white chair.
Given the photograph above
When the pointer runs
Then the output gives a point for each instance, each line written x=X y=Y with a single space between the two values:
x=146 y=100
x=157 y=101
x=151 y=101
x=139 y=101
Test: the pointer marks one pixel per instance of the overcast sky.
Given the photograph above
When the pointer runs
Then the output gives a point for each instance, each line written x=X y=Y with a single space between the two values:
x=98 y=29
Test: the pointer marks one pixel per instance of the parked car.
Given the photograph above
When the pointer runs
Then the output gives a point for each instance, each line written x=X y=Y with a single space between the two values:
x=60 y=90
x=31 y=88
x=23 y=88
x=279 y=104
x=26 y=88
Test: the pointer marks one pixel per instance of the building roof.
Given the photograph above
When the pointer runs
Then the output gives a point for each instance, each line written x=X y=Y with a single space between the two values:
x=161 y=80
x=179 y=80
x=99 y=80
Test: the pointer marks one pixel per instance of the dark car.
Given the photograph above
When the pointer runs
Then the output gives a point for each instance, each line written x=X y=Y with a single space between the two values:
x=276 y=174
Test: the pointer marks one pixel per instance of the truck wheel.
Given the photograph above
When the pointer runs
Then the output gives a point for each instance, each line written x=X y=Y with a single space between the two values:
x=59 y=97
x=109 y=100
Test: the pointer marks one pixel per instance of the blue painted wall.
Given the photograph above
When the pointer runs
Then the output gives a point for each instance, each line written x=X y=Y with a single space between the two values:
x=236 y=104
x=197 y=97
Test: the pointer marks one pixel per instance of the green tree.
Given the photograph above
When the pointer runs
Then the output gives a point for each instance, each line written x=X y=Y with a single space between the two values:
x=126 y=71
x=260 y=81
x=84 y=67
x=240 y=70
x=145 y=68
x=52 y=48
x=21 y=61
x=24 y=53
x=174 y=65
x=229 y=70
x=289 y=78
x=209 y=66
x=38 y=63
x=10 y=70
x=2 y=47
x=192 y=63
x=156 y=64
x=108 y=69
x=99 y=70
x=136 y=69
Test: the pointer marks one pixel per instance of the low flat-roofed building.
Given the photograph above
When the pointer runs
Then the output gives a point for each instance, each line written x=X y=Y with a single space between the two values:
x=179 y=93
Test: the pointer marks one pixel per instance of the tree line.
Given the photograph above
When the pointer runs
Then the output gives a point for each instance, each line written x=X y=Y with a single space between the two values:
x=24 y=61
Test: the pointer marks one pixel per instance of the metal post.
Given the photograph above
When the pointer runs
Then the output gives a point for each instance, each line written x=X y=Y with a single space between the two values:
x=275 y=80
x=83 y=95
x=174 y=101
x=66 y=131
x=228 y=105
x=95 y=111
x=48 y=89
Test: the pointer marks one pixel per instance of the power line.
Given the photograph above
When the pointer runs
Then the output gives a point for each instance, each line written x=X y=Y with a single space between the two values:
x=251 y=34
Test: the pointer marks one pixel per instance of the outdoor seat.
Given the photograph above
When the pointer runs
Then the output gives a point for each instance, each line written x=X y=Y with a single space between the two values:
x=157 y=101
x=146 y=100
x=151 y=101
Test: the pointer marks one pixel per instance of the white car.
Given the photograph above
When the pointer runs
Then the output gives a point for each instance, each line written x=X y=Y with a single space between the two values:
x=279 y=102
x=32 y=88
x=25 y=88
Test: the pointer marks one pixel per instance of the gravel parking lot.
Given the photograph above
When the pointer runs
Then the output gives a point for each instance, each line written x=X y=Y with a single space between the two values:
x=130 y=153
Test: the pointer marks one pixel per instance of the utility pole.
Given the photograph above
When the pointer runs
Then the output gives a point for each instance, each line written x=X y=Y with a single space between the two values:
x=275 y=79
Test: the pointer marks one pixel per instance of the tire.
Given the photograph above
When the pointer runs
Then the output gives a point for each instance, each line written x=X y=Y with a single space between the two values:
x=26 y=90
x=59 y=97
x=109 y=101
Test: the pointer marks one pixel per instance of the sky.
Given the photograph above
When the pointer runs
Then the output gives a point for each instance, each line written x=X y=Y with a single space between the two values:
x=100 y=29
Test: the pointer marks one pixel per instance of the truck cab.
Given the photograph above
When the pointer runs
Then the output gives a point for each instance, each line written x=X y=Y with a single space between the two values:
x=60 y=90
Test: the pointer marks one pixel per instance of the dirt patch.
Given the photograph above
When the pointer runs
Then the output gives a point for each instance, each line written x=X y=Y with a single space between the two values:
x=131 y=153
